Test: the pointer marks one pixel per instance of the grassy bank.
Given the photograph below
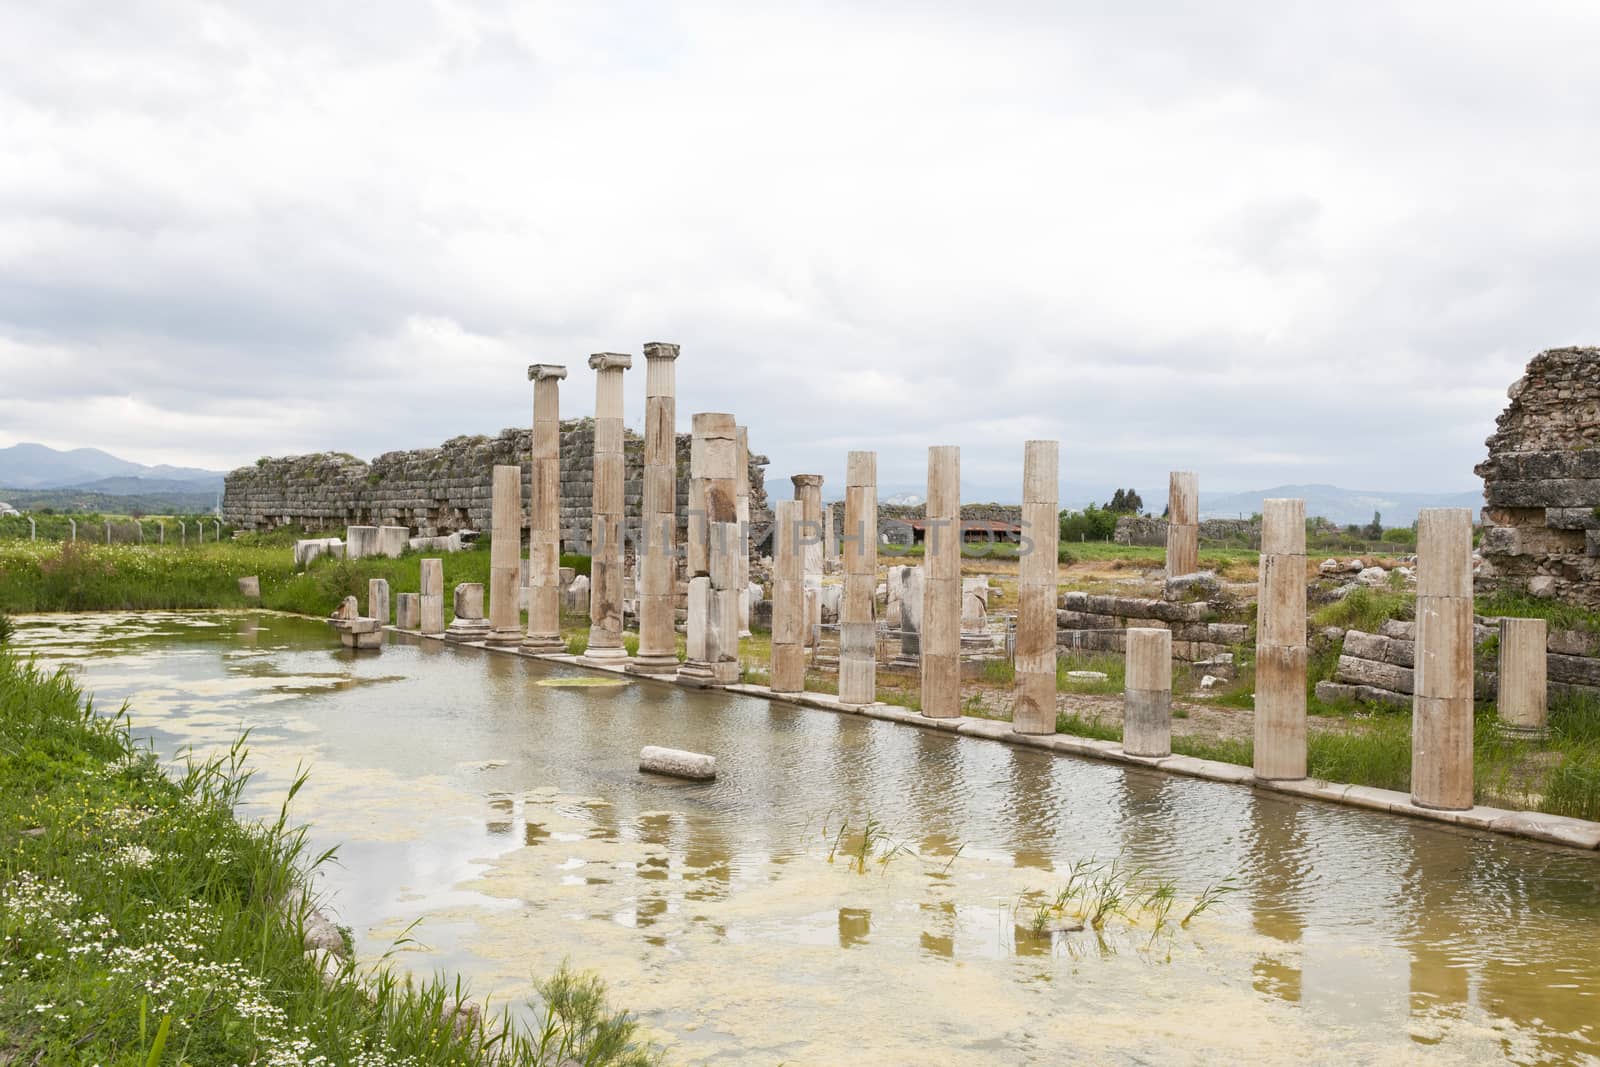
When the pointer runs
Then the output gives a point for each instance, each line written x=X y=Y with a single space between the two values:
x=143 y=924
x=39 y=576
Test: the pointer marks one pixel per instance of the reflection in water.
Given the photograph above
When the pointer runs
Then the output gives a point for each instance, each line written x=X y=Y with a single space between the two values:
x=510 y=816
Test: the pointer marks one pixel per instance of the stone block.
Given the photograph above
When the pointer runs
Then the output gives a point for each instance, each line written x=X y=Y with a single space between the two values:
x=676 y=763
x=408 y=611
x=250 y=588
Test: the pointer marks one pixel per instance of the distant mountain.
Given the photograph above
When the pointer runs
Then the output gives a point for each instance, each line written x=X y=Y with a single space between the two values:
x=1342 y=506
x=34 y=466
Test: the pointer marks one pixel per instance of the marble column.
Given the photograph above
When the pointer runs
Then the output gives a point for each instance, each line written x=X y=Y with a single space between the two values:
x=808 y=492
x=1034 y=711
x=505 y=555
x=941 y=601
x=408 y=611
x=741 y=511
x=1183 y=524
x=830 y=540
x=1147 y=695
x=658 y=564
x=858 y=627
x=713 y=638
x=1441 y=709
x=1524 y=677
x=431 y=600
x=544 y=513
x=1280 y=716
x=788 y=600
x=606 y=545
x=378 y=599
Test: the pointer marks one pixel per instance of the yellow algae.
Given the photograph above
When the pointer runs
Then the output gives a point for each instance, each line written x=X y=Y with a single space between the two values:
x=583 y=682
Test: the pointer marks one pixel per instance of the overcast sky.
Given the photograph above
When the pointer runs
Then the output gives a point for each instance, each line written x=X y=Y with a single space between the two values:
x=1272 y=242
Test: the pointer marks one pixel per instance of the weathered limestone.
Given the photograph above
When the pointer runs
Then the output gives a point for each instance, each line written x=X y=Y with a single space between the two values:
x=909 y=586
x=408 y=610
x=1147 y=698
x=431 y=600
x=858 y=630
x=505 y=556
x=941 y=602
x=355 y=632
x=1183 y=524
x=830 y=541
x=250 y=588
x=1524 y=676
x=360 y=541
x=658 y=561
x=1034 y=708
x=1441 y=717
x=393 y=541
x=713 y=631
x=676 y=763
x=788 y=600
x=741 y=511
x=378 y=600
x=469 y=623
x=808 y=492
x=713 y=482
x=1280 y=719
x=605 y=567
x=544 y=512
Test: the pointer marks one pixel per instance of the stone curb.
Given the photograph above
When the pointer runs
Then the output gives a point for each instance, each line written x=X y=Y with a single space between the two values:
x=1531 y=825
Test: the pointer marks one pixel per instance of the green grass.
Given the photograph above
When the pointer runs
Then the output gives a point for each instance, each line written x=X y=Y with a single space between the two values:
x=1366 y=609
x=1112 y=665
x=1561 y=616
x=143 y=924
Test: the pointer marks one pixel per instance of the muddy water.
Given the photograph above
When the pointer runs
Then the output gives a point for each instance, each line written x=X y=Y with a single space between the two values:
x=508 y=817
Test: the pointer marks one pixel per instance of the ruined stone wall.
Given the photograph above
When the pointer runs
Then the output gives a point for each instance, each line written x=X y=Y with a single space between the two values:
x=1150 y=530
x=1096 y=623
x=440 y=490
x=1541 y=482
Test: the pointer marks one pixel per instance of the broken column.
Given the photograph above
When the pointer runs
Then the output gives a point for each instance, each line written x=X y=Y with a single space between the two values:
x=1524 y=678
x=941 y=601
x=505 y=555
x=378 y=600
x=544 y=513
x=1034 y=711
x=469 y=623
x=408 y=611
x=1441 y=709
x=713 y=457
x=606 y=546
x=741 y=512
x=1147 y=695
x=830 y=541
x=911 y=586
x=658 y=562
x=808 y=493
x=1280 y=716
x=713 y=631
x=431 y=600
x=1183 y=524
x=788 y=600
x=858 y=628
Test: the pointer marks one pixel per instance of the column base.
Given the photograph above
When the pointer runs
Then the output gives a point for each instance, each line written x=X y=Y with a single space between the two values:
x=503 y=638
x=604 y=657
x=543 y=644
x=652 y=664
x=467 y=630
x=1513 y=732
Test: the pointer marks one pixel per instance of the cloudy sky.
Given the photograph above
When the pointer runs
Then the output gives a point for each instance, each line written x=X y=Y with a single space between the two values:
x=1270 y=242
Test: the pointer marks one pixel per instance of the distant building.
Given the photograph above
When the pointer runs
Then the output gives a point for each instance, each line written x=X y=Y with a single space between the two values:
x=7 y=509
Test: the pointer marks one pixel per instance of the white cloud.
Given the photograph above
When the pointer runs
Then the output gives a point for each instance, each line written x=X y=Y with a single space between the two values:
x=1273 y=244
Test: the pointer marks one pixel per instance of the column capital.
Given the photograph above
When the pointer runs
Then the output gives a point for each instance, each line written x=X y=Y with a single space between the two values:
x=660 y=350
x=806 y=481
x=603 y=361
x=538 y=372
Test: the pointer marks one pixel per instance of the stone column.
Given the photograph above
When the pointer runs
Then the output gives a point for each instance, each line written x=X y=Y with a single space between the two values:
x=605 y=540
x=431 y=600
x=505 y=555
x=408 y=611
x=1147 y=698
x=941 y=601
x=1524 y=678
x=830 y=542
x=378 y=599
x=788 y=600
x=1280 y=717
x=544 y=513
x=808 y=492
x=1441 y=710
x=1034 y=711
x=741 y=512
x=658 y=563
x=713 y=483
x=713 y=644
x=469 y=623
x=1183 y=524
x=858 y=627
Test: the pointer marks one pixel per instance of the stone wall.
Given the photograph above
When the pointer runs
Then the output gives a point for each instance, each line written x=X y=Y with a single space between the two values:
x=1095 y=623
x=437 y=491
x=1380 y=668
x=1541 y=482
x=1149 y=530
